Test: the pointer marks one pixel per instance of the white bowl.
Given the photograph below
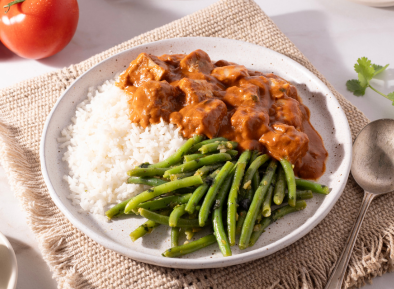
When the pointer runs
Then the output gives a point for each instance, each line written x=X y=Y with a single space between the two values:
x=326 y=116
x=8 y=265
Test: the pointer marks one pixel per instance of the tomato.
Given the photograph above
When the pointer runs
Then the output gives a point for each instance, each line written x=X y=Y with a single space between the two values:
x=38 y=28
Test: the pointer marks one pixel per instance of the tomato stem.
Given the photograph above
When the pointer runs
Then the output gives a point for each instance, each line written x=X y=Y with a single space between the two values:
x=10 y=4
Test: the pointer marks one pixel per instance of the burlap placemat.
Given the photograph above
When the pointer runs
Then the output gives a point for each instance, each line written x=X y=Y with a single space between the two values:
x=78 y=262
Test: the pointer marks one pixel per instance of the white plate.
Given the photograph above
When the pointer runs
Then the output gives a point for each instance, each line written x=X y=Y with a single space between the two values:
x=326 y=116
x=8 y=265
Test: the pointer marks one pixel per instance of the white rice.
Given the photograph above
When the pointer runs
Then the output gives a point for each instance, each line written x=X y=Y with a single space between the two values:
x=102 y=145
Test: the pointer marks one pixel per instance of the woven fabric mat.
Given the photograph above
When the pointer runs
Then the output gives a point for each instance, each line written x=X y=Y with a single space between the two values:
x=78 y=262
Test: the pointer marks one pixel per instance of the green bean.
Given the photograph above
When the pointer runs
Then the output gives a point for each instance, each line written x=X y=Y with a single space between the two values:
x=177 y=157
x=164 y=220
x=233 y=195
x=280 y=187
x=257 y=233
x=199 y=193
x=162 y=189
x=217 y=217
x=266 y=211
x=117 y=209
x=195 y=147
x=146 y=172
x=153 y=182
x=256 y=176
x=255 y=206
x=276 y=214
x=176 y=214
x=145 y=228
x=247 y=181
x=218 y=146
x=281 y=212
x=301 y=195
x=203 y=171
x=195 y=164
x=190 y=247
x=174 y=236
x=188 y=158
x=212 y=192
x=164 y=202
x=290 y=179
x=181 y=176
x=314 y=187
x=240 y=222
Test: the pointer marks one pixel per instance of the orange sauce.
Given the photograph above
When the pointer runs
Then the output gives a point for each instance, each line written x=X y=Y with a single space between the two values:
x=259 y=111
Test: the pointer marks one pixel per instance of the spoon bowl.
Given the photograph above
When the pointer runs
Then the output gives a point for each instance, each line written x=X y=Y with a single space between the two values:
x=373 y=157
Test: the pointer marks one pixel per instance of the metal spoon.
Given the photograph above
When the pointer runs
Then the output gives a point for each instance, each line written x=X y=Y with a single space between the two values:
x=373 y=169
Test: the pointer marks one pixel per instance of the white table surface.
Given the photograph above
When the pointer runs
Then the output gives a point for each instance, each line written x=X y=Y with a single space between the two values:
x=331 y=33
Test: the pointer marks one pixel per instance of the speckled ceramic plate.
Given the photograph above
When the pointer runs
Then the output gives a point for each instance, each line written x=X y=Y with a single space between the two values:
x=326 y=116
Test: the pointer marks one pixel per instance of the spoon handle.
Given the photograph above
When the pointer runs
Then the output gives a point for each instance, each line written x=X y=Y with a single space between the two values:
x=335 y=281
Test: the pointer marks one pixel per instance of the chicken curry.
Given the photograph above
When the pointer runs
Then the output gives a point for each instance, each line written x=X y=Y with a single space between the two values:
x=259 y=111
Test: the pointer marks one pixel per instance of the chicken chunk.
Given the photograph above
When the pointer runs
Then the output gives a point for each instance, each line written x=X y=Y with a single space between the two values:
x=242 y=96
x=202 y=118
x=197 y=61
x=287 y=110
x=250 y=122
x=229 y=75
x=144 y=68
x=151 y=101
x=195 y=90
x=285 y=142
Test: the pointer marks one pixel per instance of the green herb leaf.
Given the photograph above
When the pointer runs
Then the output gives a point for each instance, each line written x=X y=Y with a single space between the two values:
x=365 y=70
x=391 y=97
x=355 y=86
x=379 y=69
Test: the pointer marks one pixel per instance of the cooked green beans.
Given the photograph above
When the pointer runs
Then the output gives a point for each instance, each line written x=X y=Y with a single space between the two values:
x=164 y=202
x=181 y=176
x=195 y=164
x=217 y=217
x=233 y=195
x=174 y=236
x=176 y=214
x=197 y=146
x=142 y=230
x=266 y=211
x=280 y=187
x=117 y=209
x=177 y=157
x=250 y=172
x=265 y=222
x=164 y=220
x=145 y=228
x=281 y=212
x=212 y=192
x=290 y=179
x=146 y=172
x=218 y=146
x=190 y=247
x=205 y=170
x=314 y=187
x=153 y=182
x=255 y=206
x=162 y=189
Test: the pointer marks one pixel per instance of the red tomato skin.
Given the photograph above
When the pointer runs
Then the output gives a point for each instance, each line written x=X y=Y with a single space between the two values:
x=37 y=29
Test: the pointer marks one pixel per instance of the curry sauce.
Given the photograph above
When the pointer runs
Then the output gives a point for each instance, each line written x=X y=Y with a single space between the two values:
x=259 y=111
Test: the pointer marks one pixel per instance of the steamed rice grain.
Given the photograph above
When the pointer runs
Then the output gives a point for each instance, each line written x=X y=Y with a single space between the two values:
x=102 y=145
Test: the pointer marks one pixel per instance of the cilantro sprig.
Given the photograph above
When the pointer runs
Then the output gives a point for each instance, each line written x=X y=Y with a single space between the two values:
x=366 y=71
